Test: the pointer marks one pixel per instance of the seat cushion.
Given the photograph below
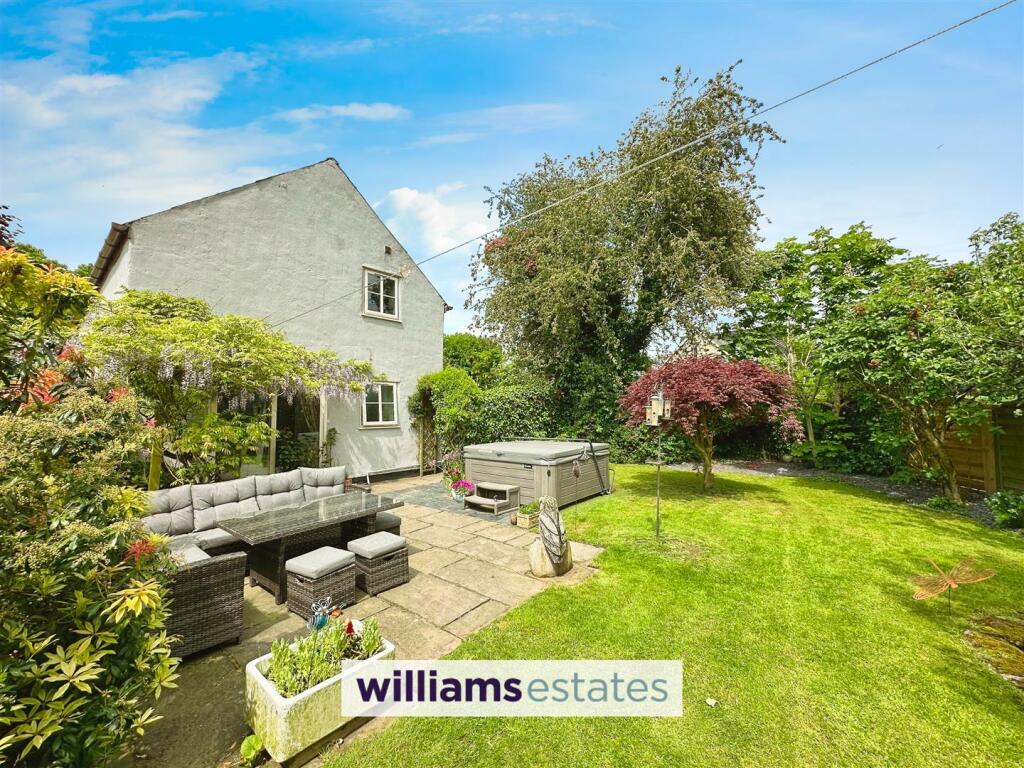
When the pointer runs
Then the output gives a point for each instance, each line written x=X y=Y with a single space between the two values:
x=213 y=502
x=212 y=538
x=385 y=521
x=323 y=481
x=319 y=562
x=283 y=489
x=376 y=545
x=185 y=549
x=170 y=511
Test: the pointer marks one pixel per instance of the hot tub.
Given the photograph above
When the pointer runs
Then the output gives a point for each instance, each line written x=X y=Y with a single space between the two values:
x=569 y=470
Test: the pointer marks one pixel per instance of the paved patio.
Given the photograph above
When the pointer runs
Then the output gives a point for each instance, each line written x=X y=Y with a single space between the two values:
x=468 y=569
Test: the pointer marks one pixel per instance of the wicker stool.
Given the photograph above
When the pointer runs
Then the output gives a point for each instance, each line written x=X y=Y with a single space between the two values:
x=388 y=522
x=382 y=561
x=327 y=572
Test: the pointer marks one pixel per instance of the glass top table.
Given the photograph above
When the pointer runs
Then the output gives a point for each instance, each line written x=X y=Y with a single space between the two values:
x=283 y=522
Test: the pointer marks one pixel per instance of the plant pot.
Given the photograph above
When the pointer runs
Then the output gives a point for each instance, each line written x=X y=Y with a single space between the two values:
x=290 y=725
x=459 y=497
x=527 y=521
x=513 y=516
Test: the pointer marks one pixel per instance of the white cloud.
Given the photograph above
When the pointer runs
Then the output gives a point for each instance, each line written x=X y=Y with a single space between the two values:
x=516 y=118
x=328 y=49
x=458 y=137
x=430 y=219
x=377 y=111
x=180 y=15
x=83 y=147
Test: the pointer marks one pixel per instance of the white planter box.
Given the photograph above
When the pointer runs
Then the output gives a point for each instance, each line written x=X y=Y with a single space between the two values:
x=290 y=725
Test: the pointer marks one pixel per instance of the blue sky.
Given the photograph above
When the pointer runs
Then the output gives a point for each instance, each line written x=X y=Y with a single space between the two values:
x=111 y=110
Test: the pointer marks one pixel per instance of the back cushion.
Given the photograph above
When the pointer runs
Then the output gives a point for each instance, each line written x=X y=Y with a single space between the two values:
x=283 y=489
x=214 y=502
x=326 y=481
x=170 y=511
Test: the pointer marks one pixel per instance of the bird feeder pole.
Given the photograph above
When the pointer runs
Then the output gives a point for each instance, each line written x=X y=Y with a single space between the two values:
x=659 y=410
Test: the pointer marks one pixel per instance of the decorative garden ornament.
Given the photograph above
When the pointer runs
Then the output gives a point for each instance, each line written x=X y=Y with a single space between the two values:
x=550 y=553
x=321 y=613
x=961 y=573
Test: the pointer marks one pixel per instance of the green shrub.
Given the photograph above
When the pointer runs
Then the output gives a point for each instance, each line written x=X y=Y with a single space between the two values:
x=446 y=407
x=81 y=620
x=1007 y=508
x=481 y=358
x=521 y=409
x=318 y=655
x=944 y=503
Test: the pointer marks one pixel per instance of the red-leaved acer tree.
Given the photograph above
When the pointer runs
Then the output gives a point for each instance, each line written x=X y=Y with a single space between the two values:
x=709 y=394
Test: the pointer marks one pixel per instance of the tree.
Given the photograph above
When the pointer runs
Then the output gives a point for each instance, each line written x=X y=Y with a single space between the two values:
x=709 y=395
x=481 y=358
x=446 y=409
x=580 y=292
x=779 y=320
x=40 y=306
x=181 y=358
x=940 y=343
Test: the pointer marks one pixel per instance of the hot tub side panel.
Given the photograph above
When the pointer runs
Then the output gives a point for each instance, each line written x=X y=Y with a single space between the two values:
x=526 y=476
x=567 y=488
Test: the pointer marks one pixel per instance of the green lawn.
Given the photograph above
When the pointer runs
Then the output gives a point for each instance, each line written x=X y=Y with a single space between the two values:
x=795 y=614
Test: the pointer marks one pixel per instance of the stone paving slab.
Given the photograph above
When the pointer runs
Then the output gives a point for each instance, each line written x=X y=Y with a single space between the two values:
x=416 y=545
x=584 y=553
x=477 y=619
x=500 y=532
x=513 y=558
x=524 y=539
x=495 y=582
x=448 y=520
x=413 y=511
x=412 y=525
x=413 y=636
x=438 y=536
x=438 y=601
x=433 y=559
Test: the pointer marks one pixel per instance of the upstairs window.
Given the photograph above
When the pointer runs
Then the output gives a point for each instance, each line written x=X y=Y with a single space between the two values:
x=379 y=408
x=381 y=295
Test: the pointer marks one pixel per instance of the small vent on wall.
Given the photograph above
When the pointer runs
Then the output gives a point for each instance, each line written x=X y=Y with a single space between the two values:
x=387 y=250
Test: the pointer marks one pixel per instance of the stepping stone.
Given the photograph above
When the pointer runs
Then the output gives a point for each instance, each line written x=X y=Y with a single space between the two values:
x=497 y=583
x=439 y=536
x=433 y=559
x=439 y=602
x=415 y=638
x=513 y=558
x=477 y=619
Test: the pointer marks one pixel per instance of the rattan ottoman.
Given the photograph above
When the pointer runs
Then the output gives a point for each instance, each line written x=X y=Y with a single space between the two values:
x=382 y=561
x=325 y=573
x=388 y=522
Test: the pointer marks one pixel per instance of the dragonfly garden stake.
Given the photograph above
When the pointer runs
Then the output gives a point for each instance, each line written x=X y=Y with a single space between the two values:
x=962 y=573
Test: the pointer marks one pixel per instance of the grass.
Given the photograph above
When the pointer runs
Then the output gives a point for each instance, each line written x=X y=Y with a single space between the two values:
x=788 y=601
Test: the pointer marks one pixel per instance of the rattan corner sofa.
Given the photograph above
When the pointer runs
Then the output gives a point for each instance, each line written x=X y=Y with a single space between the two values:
x=207 y=591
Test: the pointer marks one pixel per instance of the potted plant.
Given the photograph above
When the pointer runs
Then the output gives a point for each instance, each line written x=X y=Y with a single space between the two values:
x=461 y=489
x=528 y=515
x=293 y=693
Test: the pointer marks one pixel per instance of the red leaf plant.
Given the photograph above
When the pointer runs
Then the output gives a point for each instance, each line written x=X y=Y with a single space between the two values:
x=709 y=395
x=139 y=549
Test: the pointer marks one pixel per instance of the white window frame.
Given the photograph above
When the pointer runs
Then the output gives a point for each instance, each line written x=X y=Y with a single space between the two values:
x=366 y=421
x=383 y=275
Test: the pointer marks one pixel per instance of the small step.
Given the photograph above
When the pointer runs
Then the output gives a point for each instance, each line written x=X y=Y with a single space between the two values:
x=497 y=487
x=484 y=501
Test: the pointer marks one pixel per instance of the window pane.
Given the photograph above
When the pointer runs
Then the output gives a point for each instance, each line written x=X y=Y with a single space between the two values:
x=389 y=306
x=387 y=393
x=387 y=412
x=372 y=412
x=373 y=302
x=390 y=286
x=373 y=282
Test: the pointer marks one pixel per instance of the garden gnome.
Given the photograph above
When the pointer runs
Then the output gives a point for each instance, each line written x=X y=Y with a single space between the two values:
x=550 y=553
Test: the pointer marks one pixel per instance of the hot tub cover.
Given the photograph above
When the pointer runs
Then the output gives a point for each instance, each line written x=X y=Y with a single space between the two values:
x=531 y=451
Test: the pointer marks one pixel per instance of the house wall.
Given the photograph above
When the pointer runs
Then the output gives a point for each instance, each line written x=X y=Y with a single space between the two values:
x=119 y=276
x=283 y=245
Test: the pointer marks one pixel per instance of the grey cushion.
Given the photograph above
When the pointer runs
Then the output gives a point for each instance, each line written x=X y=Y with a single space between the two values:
x=214 y=502
x=325 y=481
x=170 y=511
x=283 y=489
x=215 y=537
x=385 y=521
x=376 y=545
x=185 y=549
x=319 y=562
